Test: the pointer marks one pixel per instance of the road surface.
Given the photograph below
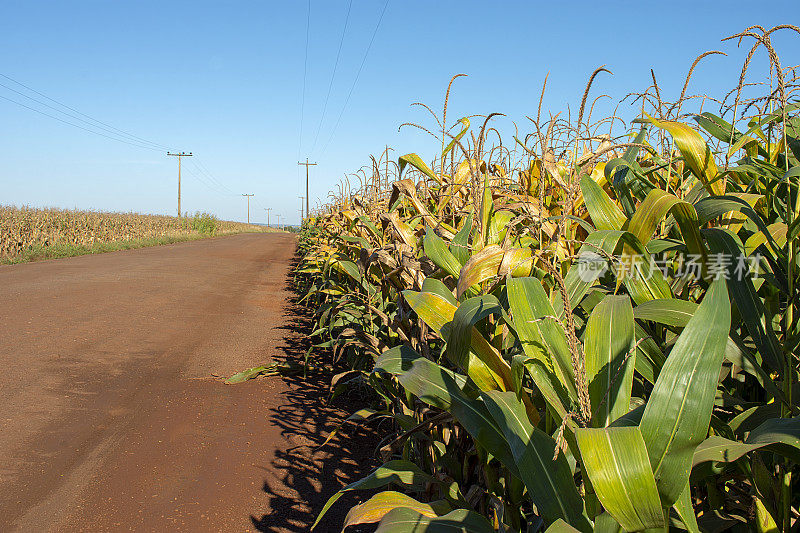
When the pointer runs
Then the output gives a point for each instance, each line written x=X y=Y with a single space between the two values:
x=113 y=415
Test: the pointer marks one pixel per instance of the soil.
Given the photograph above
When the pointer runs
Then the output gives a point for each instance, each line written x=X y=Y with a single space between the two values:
x=113 y=411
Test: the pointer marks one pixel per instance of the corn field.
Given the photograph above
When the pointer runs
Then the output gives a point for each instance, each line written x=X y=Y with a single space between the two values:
x=24 y=228
x=593 y=327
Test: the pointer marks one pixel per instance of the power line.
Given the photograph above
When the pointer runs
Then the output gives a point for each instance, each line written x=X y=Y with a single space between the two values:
x=200 y=178
x=201 y=167
x=78 y=126
x=303 y=93
x=305 y=74
x=206 y=182
x=106 y=127
x=333 y=75
x=352 y=87
x=75 y=117
x=259 y=204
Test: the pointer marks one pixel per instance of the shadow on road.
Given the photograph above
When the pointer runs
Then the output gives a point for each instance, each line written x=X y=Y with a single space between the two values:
x=302 y=477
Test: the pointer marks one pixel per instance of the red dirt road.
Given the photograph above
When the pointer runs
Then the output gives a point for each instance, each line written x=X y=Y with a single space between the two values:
x=111 y=418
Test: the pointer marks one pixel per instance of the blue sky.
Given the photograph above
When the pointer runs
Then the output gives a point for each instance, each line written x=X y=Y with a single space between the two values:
x=224 y=80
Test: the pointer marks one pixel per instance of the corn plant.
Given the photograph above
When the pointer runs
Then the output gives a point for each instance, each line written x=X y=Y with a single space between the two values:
x=23 y=228
x=585 y=331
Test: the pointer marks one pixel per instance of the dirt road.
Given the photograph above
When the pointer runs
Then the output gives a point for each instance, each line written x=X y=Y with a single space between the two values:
x=111 y=418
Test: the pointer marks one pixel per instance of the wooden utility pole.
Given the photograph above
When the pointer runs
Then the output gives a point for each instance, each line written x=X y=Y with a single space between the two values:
x=248 y=206
x=301 y=209
x=306 y=164
x=179 y=155
x=267 y=209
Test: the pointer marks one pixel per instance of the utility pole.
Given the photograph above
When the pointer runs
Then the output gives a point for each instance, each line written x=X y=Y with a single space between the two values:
x=301 y=209
x=248 y=206
x=267 y=209
x=278 y=224
x=179 y=155
x=306 y=164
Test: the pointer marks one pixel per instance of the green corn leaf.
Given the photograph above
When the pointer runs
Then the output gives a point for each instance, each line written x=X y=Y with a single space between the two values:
x=669 y=311
x=717 y=127
x=643 y=280
x=559 y=526
x=437 y=287
x=440 y=387
x=396 y=360
x=250 y=373
x=432 y=308
x=498 y=225
x=676 y=313
x=598 y=246
x=683 y=506
x=549 y=482
x=780 y=435
x=620 y=175
x=751 y=307
x=616 y=462
x=610 y=358
x=371 y=227
x=436 y=249
x=361 y=241
x=678 y=412
x=543 y=341
x=605 y=213
x=460 y=246
x=349 y=268
x=764 y=521
x=405 y=520
x=605 y=523
x=469 y=313
x=649 y=357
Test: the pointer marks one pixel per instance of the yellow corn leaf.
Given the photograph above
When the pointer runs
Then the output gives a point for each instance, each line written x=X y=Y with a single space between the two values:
x=494 y=261
x=402 y=229
x=695 y=152
x=464 y=170
x=376 y=507
x=734 y=220
x=778 y=231
x=437 y=312
x=416 y=161
x=764 y=521
x=407 y=189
